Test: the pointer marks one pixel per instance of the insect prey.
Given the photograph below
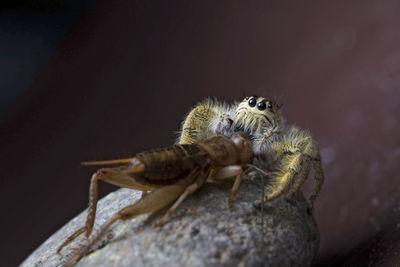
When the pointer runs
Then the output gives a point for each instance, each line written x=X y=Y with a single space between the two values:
x=171 y=174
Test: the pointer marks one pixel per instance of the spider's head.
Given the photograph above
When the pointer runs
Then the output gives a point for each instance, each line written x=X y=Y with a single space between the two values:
x=255 y=115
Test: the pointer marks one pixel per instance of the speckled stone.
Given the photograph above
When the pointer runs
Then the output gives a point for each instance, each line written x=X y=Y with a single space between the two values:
x=202 y=232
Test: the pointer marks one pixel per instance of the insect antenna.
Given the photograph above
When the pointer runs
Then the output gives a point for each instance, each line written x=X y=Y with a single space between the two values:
x=263 y=174
x=262 y=202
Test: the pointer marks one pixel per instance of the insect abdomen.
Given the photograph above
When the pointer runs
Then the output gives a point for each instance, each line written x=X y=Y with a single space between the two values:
x=166 y=165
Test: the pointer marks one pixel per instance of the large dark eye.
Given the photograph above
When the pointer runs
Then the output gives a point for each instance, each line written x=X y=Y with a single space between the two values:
x=261 y=106
x=252 y=102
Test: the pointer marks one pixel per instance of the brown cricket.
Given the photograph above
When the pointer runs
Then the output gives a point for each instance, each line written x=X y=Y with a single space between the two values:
x=171 y=174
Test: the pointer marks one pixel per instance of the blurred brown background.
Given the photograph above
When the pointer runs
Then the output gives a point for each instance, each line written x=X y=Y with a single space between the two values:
x=121 y=76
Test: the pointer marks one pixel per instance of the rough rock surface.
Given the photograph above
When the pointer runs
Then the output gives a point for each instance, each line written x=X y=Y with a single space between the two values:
x=202 y=232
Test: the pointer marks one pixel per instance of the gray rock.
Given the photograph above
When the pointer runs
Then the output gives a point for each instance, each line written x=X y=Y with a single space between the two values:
x=202 y=232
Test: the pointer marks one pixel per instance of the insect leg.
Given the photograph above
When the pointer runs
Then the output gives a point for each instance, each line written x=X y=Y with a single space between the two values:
x=235 y=187
x=93 y=197
x=71 y=238
x=188 y=191
x=112 y=176
x=109 y=175
x=153 y=202
x=228 y=172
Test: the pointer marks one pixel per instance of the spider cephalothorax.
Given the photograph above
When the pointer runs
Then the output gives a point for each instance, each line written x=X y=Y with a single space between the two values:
x=256 y=112
x=261 y=118
x=289 y=147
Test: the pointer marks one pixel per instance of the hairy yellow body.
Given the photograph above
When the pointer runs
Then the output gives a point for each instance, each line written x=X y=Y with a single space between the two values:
x=293 y=149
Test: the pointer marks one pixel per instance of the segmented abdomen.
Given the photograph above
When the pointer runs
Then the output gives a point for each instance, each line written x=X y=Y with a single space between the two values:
x=166 y=165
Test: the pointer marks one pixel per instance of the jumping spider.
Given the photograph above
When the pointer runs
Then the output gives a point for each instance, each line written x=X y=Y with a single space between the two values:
x=292 y=149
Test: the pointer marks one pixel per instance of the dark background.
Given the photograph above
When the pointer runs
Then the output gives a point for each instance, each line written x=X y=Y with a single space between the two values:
x=91 y=80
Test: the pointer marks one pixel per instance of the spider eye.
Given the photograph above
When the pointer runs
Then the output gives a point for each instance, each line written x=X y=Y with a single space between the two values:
x=269 y=105
x=261 y=106
x=252 y=102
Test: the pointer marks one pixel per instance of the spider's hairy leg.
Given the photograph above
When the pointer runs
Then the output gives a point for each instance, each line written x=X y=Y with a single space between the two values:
x=285 y=179
x=204 y=120
x=297 y=152
x=318 y=177
x=195 y=126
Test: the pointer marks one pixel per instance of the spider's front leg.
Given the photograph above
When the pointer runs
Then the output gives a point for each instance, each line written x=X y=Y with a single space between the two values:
x=297 y=152
x=205 y=120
